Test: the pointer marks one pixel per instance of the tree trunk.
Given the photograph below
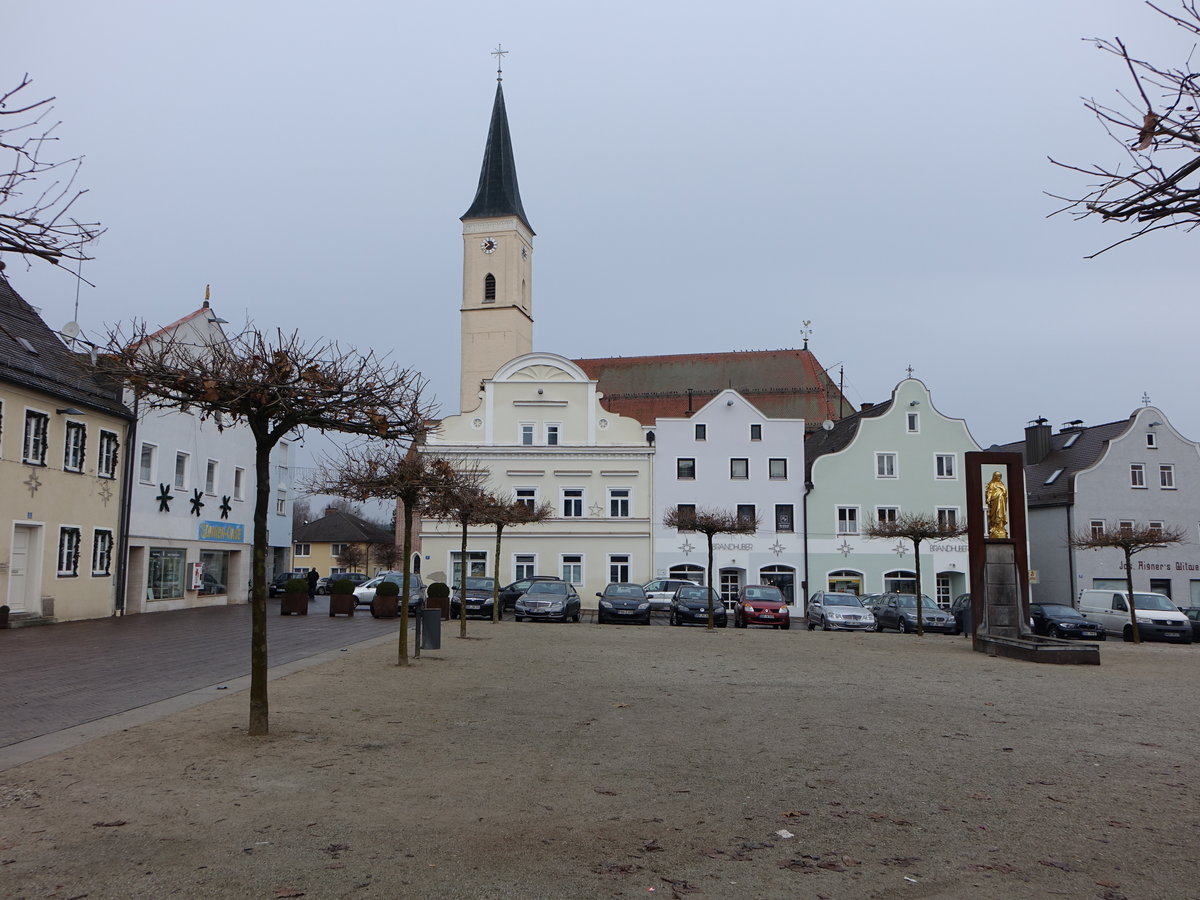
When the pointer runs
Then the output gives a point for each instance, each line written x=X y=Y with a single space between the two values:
x=404 y=587
x=917 y=566
x=496 y=575
x=712 y=625
x=259 y=707
x=1137 y=634
x=462 y=585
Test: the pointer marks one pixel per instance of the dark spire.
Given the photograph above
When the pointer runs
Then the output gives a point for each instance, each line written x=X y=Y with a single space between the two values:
x=498 y=194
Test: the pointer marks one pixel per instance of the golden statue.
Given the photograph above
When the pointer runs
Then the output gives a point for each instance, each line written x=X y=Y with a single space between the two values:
x=995 y=495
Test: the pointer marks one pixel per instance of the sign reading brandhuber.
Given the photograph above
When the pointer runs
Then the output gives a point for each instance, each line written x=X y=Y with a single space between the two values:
x=226 y=532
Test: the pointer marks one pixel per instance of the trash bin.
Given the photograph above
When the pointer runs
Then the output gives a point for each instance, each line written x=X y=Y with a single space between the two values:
x=431 y=629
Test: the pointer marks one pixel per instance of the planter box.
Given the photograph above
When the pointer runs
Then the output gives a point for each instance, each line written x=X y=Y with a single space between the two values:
x=385 y=607
x=341 y=604
x=290 y=604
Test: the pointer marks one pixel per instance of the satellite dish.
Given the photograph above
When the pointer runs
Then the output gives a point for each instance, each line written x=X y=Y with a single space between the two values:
x=70 y=330
x=827 y=425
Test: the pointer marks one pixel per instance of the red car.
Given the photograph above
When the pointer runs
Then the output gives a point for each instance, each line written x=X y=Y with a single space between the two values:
x=761 y=604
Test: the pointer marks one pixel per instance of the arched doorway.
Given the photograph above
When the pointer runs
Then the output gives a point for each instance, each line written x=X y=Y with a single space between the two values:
x=845 y=581
x=416 y=563
x=782 y=577
x=731 y=583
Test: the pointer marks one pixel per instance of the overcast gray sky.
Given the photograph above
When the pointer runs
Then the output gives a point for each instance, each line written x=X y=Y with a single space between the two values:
x=702 y=177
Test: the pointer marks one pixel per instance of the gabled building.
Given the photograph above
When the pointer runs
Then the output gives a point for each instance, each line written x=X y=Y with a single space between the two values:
x=192 y=508
x=728 y=456
x=64 y=437
x=902 y=456
x=1138 y=470
x=342 y=542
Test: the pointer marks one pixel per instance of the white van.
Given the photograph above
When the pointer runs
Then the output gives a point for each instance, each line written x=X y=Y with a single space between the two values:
x=1157 y=617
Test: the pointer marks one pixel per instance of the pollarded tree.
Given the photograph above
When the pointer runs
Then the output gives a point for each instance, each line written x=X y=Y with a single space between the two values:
x=1130 y=540
x=502 y=512
x=390 y=471
x=37 y=193
x=465 y=502
x=275 y=386
x=917 y=528
x=709 y=522
x=1158 y=128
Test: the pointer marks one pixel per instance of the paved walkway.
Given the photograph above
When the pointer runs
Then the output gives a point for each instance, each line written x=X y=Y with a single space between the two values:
x=58 y=677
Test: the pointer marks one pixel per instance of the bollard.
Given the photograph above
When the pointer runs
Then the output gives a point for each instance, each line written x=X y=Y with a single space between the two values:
x=431 y=629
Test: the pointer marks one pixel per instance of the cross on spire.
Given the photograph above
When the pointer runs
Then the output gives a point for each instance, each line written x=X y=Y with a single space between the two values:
x=499 y=53
x=1145 y=399
x=909 y=371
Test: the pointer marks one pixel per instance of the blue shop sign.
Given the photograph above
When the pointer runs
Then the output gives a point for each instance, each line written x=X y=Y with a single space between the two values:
x=223 y=531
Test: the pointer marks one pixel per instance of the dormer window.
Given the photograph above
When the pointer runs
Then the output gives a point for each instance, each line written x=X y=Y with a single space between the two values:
x=489 y=288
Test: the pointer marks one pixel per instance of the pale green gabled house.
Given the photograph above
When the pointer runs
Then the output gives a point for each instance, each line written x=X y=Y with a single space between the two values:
x=887 y=459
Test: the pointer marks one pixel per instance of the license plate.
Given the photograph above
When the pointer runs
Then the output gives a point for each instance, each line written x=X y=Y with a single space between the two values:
x=473 y=606
x=766 y=616
x=626 y=612
x=1088 y=633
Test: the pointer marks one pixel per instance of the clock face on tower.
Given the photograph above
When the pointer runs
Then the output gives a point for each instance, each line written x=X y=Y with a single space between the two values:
x=488 y=246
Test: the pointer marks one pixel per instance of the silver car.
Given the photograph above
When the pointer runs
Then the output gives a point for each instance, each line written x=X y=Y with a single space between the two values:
x=838 y=612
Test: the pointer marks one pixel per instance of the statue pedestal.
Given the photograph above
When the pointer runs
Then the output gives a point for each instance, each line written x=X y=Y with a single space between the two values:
x=1002 y=614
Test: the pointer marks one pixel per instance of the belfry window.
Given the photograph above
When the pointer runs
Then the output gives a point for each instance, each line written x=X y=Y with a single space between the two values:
x=489 y=288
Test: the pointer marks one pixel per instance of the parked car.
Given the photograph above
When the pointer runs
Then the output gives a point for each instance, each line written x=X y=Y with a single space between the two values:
x=835 y=611
x=355 y=578
x=690 y=604
x=899 y=611
x=1057 y=620
x=510 y=592
x=623 y=602
x=1193 y=614
x=871 y=601
x=278 y=584
x=761 y=604
x=364 y=594
x=1157 y=617
x=661 y=591
x=548 y=600
x=960 y=608
x=479 y=598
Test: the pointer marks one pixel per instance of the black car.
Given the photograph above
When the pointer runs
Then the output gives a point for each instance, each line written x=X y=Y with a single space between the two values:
x=355 y=578
x=1193 y=614
x=961 y=610
x=1058 y=620
x=510 y=592
x=690 y=606
x=479 y=598
x=278 y=584
x=549 y=601
x=623 y=601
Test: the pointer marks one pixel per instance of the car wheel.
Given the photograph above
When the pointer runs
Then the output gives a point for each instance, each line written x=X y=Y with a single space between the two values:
x=1103 y=635
x=672 y=620
x=516 y=618
x=786 y=626
x=1053 y=632
x=722 y=623
x=902 y=627
x=1127 y=634
x=824 y=625
x=738 y=623
x=575 y=618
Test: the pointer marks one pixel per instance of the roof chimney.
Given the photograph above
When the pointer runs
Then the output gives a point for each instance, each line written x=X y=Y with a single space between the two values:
x=1037 y=441
x=865 y=405
x=330 y=510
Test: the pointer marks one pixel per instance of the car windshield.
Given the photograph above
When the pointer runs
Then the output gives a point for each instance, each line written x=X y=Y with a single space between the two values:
x=629 y=591
x=764 y=593
x=1153 y=601
x=842 y=600
x=909 y=601
x=481 y=584
x=548 y=587
x=694 y=593
x=1054 y=609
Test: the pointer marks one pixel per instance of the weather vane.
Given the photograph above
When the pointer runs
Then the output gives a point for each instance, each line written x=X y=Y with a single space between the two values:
x=499 y=53
x=1145 y=399
x=806 y=331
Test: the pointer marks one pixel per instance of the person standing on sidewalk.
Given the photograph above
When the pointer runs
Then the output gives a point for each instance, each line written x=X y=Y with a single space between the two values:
x=313 y=577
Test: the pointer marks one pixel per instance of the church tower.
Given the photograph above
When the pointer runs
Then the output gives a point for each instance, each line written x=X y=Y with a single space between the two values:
x=497 y=306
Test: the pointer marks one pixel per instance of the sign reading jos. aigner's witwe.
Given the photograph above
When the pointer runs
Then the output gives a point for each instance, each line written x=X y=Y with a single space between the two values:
x=223 y=531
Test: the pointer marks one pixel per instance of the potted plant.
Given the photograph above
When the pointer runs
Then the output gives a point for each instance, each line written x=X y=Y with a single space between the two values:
x=295 y=598
x=341 y=597
x=386 y=605
x=437 y=596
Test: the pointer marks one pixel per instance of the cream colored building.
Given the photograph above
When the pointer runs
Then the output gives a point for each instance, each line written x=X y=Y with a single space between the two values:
x=542 y=434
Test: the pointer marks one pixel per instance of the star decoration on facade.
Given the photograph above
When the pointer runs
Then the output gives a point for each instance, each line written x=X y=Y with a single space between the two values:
x=596 y=510
x=901 y=549
x=844 y=548
x=225 y=507
x=105 y=492
x=33 y=482
x=686 y=547
x=164 y=498
x=197 y=503
x=777 y=548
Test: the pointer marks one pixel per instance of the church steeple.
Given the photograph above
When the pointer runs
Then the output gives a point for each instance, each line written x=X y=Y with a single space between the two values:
x=497 y=306
x=498 y=194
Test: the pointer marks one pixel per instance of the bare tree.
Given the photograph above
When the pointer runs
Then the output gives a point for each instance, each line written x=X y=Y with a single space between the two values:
x=37 y=193
x=1131 y=541
x=466 y=503
x=710 y=523
x=502 y=512
x=918 y=528
x=301 y=513
x=390 y=472
x=275 y=386
x=1158 y=127
x=386 y=554
x=354 y=557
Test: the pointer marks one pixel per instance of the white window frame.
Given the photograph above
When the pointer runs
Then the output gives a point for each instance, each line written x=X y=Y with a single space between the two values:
x=734 y=466
x=951 y=514
x=1151 y=440
x=575 y=561
x=107 y=453
x=1096 y=527
x=1126 y=525
x=183 y=463
x=1137 y=475
x=619 y=566
x=884 y=514
x=69 y=539
x=212 y=475
x=102 y=547
x=37 y=437
x=945 y=466
x=74 y=446
x=577 y=497
x=526 y=433
x=524 y=565
x=337 y=549
x=1166 y=477
x=779 y=462
x=281 y=503
x=553 y=432
x=239 y=483
x=846 y=520
x=151 y=451
x=913 y=421
x=620 y=502
x=527 y=496
x=887 y=466
x=304 y=549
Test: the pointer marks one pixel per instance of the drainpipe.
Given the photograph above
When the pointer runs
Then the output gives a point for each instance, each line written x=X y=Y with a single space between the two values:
x=808 y=486
x=122 y=584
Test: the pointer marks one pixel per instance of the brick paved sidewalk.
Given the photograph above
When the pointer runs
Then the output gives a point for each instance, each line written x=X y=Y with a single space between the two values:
x=57 y=676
